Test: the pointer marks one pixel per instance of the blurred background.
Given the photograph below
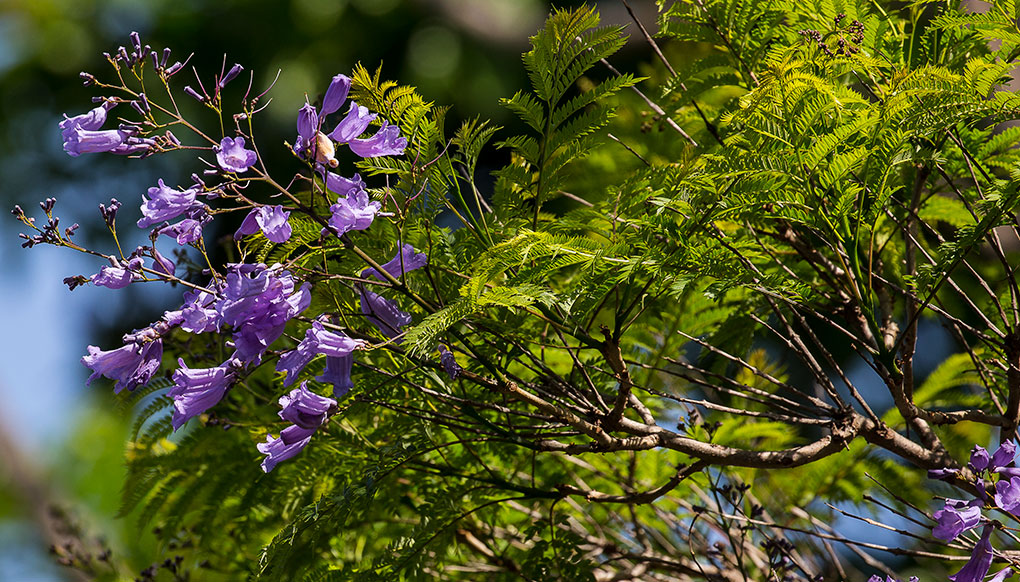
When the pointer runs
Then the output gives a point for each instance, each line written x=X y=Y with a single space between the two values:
x=62 y=443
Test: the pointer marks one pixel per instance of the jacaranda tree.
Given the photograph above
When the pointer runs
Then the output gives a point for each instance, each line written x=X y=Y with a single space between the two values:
x=678 y=335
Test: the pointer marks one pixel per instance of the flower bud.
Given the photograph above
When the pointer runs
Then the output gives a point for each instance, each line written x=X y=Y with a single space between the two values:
x=336 y=94
x=193 y=93
x=231 y=75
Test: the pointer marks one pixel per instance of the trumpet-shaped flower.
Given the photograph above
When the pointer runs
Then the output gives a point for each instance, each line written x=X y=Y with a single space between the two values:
x=199 y=389
x=131 y=366
x=271 y=220
x=232 y=156
x=305 y=408
x=165 y=203
x=406 y=260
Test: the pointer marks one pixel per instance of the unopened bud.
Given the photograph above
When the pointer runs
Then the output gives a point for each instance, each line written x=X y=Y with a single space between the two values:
x=193 y=93
x=86 y=78
x=231 y=75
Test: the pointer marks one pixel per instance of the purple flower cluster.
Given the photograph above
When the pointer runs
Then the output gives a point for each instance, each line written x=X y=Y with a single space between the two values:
x=307 y=411
x=958 y=516
x=312 y=143
x=337 y=348
x=83 y=134
x=254 y=302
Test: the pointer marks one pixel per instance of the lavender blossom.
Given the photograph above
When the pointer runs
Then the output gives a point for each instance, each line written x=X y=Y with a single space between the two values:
x=1007 y=493
x=230 y=76
x=82 y=141
x=406 y=260
x=232 y=156
x=338 y=373
x=305 y=408
x=316 y=341
x=119 y=274
x=355 y=212
x=197 y=390
x=165 y=203
x=271 y=220
x=307 y=127
x=308 y=411
x=292 y=440
x=343 y=186
x=354 y=124
x=258 y=302
x=976 y=569
x=979 y=458
x=450 y=365
x=131 y=366
x=385 y=142
x=162 y=264
x=336 y=94
x=198 y=314
x=186 y=231
x=955 y=518
x=90 y=121
x=383 y=313
x=1004 y=455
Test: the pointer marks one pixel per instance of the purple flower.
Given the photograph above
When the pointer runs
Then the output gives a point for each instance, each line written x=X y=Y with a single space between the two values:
x=230 y=76
x=199 y=389
x=385 y=142
x=942 y=474
x=1004 y=455
x=449 y=363
x=292 y=440
x=406 y=260
x=186 y=231
x=1007 y=493
x=955 y=518
x=90 y=121
x=979 y=458
x=316 y=341
x=82 y=134
x=308 y=411
x=336 y=94
x=162 y=264
x=307 y=127
x=165 y=203
x=119 y=275
x=82 y=141
x=980 y=560
x=232 y=156
x=131 y=366
x=344 y=186
x=199 y=315
x=877 y=578
x=338 y=373
x=383 y=313
x=355 y=212
x=258 y=302
x=305 y=408
x=271 y=220
x=354 y=124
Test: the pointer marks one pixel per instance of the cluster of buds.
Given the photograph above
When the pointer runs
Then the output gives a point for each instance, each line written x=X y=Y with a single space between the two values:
x=848 y=39
x=50 y=232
